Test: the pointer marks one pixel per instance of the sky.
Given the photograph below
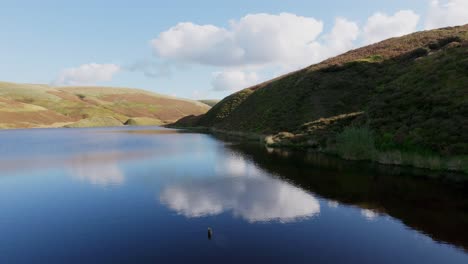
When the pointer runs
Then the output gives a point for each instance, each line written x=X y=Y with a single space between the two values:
x=203 y=49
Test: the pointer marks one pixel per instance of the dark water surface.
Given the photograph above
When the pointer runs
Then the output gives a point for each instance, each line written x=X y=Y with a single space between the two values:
x=149 y=195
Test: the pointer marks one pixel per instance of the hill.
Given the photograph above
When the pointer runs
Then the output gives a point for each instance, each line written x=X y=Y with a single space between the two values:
x=35 y=105
x=210 y=102
x=401 y=101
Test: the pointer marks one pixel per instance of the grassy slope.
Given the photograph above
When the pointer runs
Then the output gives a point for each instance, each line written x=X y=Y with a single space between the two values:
x=96 y=122
x=210 y=102
x=29 y=105
x=144 y=121
x=412 y=90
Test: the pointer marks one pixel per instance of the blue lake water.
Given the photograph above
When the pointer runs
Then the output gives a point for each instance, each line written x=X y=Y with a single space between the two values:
x=149 y=195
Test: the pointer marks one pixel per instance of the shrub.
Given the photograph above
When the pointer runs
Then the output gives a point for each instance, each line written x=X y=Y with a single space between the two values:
x=356 y=143
x=440 y=43
x=386 y=142
x=414 y=54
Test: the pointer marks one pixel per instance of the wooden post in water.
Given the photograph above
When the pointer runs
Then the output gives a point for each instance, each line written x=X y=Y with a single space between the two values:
x=210 y=233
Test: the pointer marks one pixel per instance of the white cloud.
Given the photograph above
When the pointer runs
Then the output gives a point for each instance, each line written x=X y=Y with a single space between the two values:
x=151 y=69
x=255 y=39
x=447 y=13
x=267 y=44
x=381 y=26
x=260 y=42
x=87 y=74
x=233 y=80
x=204 y=44
x=266 y=38
x=340 y=39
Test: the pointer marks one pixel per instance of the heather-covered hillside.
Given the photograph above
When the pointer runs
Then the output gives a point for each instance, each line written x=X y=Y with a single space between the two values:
x=381 y=102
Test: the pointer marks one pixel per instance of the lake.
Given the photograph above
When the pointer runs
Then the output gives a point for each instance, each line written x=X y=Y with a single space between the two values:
x=149 y=195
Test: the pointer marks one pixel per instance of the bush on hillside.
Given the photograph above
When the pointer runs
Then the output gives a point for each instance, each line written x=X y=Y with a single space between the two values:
x=356 y=143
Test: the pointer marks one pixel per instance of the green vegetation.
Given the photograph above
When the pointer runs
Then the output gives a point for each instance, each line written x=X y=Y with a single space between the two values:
x=143 y=121
x=96 y=122
x=224 y=108
x=33 y=105
x=410 y=94
x=372 y=59
x=356 y=144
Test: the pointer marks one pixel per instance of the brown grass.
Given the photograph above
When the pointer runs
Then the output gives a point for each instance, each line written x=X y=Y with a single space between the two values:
x=18 y=119
x=71 y=104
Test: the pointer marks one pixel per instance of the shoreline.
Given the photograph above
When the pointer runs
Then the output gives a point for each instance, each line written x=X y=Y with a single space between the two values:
x=394 y=158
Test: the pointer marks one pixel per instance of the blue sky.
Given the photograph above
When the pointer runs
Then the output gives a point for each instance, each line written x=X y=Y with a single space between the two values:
x=122 y=43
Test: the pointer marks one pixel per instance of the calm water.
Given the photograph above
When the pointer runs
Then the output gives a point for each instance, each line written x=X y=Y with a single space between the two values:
x=146 y=195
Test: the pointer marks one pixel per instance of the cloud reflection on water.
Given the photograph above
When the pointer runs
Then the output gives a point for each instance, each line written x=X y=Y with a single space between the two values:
x=243 y=190
x=97 y=169
x=369 y=214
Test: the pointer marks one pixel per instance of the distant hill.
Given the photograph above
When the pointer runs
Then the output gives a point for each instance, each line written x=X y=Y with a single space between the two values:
x=210 y=102
x=36 y=105
x=380 y=102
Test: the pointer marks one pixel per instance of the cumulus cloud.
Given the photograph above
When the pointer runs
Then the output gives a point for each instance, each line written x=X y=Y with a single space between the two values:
x=233 y=80
x=266 y=38
x=381 y=26
x=447 y=13
x=254 y=39
x=87 y=74
x=340 y=39
x=204 y=44
x=150 y=68
x=260 y=44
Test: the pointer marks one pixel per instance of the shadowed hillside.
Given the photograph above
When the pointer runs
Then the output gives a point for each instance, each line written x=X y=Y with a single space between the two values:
x=406 y=94
x=30 y=105
x=210 y=102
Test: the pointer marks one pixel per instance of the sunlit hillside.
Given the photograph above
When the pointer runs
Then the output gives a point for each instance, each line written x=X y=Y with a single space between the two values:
x=35 y=105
